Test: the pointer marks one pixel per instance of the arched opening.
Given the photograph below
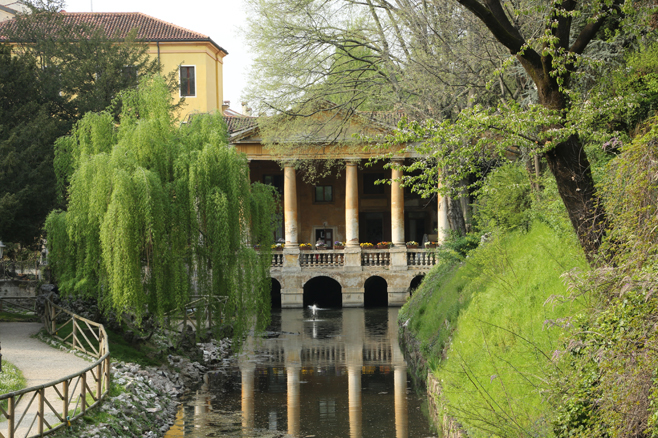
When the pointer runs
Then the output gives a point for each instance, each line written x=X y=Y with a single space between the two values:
x=415 y=283
x=324 y=292
x=275 y=294
x=376 y=292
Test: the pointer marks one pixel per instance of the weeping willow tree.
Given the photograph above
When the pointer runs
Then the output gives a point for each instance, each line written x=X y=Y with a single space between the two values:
x=157 y=212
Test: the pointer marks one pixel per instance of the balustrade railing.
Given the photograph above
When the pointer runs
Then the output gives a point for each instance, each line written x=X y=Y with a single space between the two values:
x=32 y=412
x=421 y=258
x=277 y=259
x=327 y=258
x=376 y=258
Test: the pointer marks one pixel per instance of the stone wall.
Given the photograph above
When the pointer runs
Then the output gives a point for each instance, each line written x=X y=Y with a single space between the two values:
x=18 y=288
x=450 y=428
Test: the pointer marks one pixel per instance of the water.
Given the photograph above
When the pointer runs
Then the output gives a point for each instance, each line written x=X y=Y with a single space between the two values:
x=328 y=373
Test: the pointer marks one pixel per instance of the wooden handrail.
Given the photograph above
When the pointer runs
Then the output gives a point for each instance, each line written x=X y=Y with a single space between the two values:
x=69 y=384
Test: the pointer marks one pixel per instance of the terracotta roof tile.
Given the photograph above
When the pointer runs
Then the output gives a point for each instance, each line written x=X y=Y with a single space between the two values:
x=239 y=123
x=119 y=24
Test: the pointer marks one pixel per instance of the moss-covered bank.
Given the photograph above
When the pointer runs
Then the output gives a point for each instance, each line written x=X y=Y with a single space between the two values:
x=488 y=329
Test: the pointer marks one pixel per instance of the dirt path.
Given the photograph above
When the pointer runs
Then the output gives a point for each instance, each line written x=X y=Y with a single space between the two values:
x=40 y=364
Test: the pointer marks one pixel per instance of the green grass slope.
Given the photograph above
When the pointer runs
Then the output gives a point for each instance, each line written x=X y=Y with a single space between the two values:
x=489 y=328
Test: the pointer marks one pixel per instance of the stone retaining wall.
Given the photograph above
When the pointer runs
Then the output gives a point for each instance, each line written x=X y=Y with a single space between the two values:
x=450 y=428
x=18 y=288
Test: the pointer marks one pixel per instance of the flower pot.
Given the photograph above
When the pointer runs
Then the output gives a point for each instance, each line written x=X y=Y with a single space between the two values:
x=412 y=246
x=339 y=247
x=305 y=248
x=383 y=246
x=431 y=245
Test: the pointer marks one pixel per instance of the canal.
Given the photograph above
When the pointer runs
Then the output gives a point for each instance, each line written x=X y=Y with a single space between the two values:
x=322 y=373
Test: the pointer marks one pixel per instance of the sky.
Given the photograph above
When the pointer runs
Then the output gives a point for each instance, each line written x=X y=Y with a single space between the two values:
x=219 y=19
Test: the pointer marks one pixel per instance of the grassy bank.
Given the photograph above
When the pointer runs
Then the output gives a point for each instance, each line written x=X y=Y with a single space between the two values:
x=11 y=379
x=489 y=328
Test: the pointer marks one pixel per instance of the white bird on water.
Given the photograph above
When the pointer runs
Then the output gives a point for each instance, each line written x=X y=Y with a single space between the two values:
x=314 y=309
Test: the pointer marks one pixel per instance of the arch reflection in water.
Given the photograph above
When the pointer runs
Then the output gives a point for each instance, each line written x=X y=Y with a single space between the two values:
x=345 y=377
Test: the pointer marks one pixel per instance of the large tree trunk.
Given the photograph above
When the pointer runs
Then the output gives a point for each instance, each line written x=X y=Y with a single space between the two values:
x=568 y=163
x=456 y=216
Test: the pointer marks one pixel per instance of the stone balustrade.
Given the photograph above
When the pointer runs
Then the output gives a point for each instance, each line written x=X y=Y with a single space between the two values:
x=416 y=258
x=323 y=258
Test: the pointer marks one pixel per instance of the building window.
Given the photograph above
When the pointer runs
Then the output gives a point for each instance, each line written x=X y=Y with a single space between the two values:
x=369 y=186
x=324 y=194
x=275 y=181
x=187 y=81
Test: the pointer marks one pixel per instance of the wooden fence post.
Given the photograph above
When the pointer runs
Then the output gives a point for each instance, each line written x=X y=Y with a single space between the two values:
x=65 y=401
x=107 y=373
x=83 y=393
x=53 y=324
x=75 y=331
x=99 y=380
x=41 y=408
x=11 y=409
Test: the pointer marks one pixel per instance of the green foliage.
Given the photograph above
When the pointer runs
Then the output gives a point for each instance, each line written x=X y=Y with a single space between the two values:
x=489 y=330
x=52 y=74
x=156 y=213
x=457 y=246
x=608 y=387
x=11 y=379
x=504 y=199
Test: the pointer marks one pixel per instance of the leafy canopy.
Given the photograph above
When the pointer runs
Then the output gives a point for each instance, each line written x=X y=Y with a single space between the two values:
x=156 y=213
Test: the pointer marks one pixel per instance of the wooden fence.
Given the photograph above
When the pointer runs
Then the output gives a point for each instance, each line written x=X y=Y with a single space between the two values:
x=41 y=410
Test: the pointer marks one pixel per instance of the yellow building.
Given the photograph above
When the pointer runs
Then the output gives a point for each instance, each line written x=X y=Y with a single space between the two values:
x=196 y=58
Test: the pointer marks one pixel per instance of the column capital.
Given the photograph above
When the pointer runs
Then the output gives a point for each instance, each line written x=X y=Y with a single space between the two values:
x=352 y=161
x=397 y=161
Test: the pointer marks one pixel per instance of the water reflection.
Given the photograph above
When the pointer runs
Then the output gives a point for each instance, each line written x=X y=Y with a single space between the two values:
x=335 y=373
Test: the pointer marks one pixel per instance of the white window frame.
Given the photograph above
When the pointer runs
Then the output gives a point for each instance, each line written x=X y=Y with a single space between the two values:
x=180 y=81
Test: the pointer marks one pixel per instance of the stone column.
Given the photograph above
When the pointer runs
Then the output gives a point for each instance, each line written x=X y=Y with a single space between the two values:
x=352 y=204
x=442 y=217
x=397 y=206
x=290 y=204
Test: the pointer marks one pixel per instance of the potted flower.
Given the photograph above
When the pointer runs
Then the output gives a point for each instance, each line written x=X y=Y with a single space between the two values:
x=257 y=247
x=366 y=245
x=305 y=246
x=320 y=245
x=412 y=244
x=384 y=245
x=429 y=245
x=339 y=245
x=278 y=246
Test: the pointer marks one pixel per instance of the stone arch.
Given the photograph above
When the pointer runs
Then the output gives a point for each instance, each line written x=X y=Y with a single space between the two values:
x=275 y=294
x=323 y=291
x=415 y=282
x=375 y=292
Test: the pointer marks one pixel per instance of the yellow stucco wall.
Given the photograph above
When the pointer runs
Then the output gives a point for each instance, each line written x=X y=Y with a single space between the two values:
x=208 y=63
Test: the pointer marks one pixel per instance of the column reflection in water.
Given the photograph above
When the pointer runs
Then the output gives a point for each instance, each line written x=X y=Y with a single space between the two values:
x=247 y=370
x=293 y=400
x=401 y=412
x=354 y=394
x=399 y=376
x=290 y=323
x=202 y=404
x=353 y=334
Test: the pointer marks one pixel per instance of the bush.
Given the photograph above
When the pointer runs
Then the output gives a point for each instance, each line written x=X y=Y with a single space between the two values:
x=504 y=199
